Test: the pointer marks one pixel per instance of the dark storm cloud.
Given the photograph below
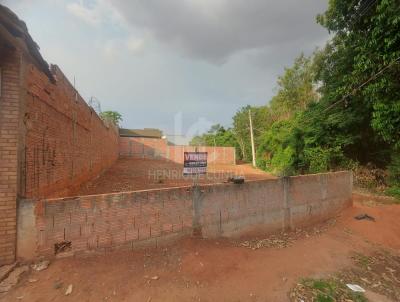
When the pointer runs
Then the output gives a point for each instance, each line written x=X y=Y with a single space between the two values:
x=214 y=30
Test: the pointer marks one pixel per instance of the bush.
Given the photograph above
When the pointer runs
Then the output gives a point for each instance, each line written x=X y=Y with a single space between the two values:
x=282 y=162
x=394 y=191
x=317 y=159
x=394 y=170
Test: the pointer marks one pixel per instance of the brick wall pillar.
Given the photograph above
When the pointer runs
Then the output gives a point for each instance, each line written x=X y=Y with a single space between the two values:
x=10 y=63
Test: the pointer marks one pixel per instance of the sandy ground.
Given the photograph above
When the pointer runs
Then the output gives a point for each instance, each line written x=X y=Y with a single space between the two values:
x=129 y=174
x=214 y=270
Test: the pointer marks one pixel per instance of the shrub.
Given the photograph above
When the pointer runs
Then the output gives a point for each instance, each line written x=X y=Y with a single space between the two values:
x=394 y=170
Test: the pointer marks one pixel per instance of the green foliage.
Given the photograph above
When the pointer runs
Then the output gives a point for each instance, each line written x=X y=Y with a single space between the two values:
x=318 y=159
x=216 y=136
x=341 y=124
x=394 y=191
x=277 y=150
x=366 y=43
x=331 y=290
x=296 y=89
x=111 y=116
x=394 y=169
x=338 y=108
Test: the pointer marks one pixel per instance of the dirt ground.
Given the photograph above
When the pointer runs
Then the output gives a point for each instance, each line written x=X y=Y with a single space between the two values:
x=218 y=270
x=129 y=174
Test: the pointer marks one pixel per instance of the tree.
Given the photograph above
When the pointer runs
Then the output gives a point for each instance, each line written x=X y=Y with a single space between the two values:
x=216 y=136
x=365 y=51
x=111 y=116
x=296 y=89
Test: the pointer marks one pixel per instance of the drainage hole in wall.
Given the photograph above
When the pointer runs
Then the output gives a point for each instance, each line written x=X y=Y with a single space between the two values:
x=61 y=247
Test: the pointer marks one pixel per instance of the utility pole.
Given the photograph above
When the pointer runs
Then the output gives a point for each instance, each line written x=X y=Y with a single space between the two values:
x=253 y=151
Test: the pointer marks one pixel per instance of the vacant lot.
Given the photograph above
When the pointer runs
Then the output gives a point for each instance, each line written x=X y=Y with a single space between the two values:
x=130 y=174
x=245 y=269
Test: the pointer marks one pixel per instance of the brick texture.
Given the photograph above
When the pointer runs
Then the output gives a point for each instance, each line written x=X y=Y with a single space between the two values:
x=51 y=141
x=9 y=144
x=132 y=219
x=66 y=142
x=112 y=220
x=158 y=149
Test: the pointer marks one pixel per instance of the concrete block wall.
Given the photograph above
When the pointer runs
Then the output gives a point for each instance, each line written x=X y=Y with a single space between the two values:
x=154 y=148
x=274 y=204
x=227 y=210
x=132 y=219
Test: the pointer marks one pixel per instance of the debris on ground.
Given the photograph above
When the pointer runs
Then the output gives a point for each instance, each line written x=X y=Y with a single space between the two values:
x=236 y=179
x=355 y=288
x=57 y=284
x=13 y=278
x=5 y=270
x=364 y=216
x=374 y=275
x=69 y=290
x=331 y=289
x=41 y=265
x=286 y=239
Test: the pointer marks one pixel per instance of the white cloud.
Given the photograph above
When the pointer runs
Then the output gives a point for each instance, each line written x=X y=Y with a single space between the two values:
x=116 y=47
x=99 y=12
x=90 y=16
x=135 y=45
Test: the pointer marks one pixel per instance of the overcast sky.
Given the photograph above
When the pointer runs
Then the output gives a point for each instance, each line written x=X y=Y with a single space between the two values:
x=177 y=65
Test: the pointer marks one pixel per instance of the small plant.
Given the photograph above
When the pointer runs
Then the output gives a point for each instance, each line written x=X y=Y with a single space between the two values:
x=394 y=191
x=325 y=290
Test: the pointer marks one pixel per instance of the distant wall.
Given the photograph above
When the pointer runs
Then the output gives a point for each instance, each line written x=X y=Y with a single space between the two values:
x=133 y=219
x=139 y=147
x=66 y=143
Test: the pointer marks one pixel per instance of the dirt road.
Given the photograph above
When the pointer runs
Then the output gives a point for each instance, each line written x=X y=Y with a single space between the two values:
x=214 y=270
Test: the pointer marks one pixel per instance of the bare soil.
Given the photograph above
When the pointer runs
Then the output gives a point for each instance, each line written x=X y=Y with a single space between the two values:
x=218 y=270
x=129 y=174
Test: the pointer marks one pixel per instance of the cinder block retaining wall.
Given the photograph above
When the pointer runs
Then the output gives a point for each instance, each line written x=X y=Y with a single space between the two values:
x=131 y=219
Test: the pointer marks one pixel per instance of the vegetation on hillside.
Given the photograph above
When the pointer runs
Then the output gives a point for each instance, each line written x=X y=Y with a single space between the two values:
x=338 y=108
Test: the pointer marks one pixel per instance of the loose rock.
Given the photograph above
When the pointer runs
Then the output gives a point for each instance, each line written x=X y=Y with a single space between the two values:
x=41 y=265
x=69 y=290
x=12 y=278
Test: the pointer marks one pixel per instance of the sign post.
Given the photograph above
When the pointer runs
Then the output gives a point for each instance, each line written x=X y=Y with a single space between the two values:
x=195 y=163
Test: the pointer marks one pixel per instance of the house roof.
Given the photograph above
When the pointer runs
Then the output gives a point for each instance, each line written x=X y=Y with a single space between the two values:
x=146 y=132
x=14 y=31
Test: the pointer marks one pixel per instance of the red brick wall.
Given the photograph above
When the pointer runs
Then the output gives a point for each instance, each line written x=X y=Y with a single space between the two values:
x=141 y=147
x=66 y=142
x=111 y=220
x=158 y=148
x=9 y=144
x=131 y=219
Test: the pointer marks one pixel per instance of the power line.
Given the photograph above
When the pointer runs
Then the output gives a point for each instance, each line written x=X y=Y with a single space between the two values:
x=363 y=84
